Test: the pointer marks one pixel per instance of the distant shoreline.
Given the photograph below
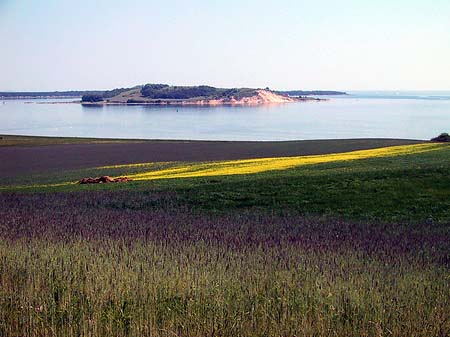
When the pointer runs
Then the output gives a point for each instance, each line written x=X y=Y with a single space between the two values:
x=11 y=98
x=134 y=96
x=26 y=140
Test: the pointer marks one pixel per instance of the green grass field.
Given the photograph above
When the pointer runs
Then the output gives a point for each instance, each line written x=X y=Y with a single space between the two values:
x=13 y=140
x=354 y=244
x=410 y=184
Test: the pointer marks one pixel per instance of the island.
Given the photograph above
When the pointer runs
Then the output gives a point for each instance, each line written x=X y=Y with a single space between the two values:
x=164 y=94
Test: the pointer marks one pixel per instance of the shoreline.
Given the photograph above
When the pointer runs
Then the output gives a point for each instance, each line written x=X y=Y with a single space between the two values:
x=22 y=139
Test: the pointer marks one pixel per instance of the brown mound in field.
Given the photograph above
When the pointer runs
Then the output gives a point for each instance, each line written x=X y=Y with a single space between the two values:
x=103 y=180
x=443 y=137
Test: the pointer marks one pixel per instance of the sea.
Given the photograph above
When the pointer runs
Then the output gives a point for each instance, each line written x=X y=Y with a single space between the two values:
x=360 y=114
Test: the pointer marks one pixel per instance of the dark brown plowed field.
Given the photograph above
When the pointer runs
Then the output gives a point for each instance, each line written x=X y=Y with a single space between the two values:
x=20 y=160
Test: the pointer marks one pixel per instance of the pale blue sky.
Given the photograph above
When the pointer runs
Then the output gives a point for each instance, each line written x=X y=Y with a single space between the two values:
x=320 y=44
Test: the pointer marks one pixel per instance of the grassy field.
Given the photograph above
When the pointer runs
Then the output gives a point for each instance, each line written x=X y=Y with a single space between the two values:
x=348 y=244
x=28 y=156
x=13 y=140
x=402 y=183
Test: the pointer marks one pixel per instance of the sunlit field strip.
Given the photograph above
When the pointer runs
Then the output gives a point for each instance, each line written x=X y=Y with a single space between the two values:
x=248 y=166
x=19 y=187
x=252 y=166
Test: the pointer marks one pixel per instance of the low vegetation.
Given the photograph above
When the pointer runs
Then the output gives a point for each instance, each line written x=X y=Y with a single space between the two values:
x=443 y=138
x=164 y=91
x=354 y=244
x=102 y=95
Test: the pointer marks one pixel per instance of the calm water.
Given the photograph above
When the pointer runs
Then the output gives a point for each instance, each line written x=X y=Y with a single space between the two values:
x=416 y=115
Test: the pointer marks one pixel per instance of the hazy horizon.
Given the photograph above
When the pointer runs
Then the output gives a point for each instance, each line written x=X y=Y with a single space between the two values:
x=325 y=45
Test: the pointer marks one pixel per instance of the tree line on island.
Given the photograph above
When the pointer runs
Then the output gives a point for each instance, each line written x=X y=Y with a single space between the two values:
x=168 y=92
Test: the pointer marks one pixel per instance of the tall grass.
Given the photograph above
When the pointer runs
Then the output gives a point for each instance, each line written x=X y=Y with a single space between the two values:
x=72 y=264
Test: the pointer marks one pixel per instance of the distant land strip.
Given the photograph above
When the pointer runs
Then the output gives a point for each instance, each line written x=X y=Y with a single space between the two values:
x=45 y=94
x=166 y=94
x=311 y=93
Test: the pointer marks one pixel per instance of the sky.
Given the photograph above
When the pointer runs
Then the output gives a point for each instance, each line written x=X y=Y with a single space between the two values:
x=298 y=44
